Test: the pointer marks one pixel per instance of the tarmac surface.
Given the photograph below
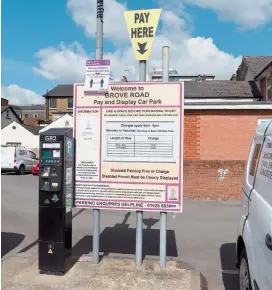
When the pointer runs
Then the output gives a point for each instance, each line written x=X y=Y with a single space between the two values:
x=203 y=236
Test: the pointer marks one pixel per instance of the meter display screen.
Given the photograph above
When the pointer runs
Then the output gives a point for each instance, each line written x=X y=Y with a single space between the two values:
x=47 y=153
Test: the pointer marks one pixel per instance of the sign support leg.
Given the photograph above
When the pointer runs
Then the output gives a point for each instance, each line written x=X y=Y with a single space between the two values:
x=99 y=56
x=163 y=215
x=139 y=238
x=163 y=236
x=139 y=214
x=96 y=233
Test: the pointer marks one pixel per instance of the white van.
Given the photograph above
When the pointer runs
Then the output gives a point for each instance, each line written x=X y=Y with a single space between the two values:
x=254 y=243
x=15 y=159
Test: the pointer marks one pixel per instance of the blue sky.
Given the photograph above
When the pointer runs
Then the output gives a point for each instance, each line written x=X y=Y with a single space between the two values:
x=55 y=37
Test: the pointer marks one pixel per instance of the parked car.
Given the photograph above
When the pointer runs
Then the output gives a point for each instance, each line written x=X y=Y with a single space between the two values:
x=16 y=159
x=35 y=168
x=254 y=243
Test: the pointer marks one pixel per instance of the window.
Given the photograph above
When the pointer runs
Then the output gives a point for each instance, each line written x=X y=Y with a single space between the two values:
x=268 y=89
x=7 y=117
x=70 y=103
x=32 y=155
x=52 y=103
x=254 y=160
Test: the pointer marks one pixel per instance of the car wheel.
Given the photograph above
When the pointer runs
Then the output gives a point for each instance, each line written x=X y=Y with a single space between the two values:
x=244 y=276
x=21 y=170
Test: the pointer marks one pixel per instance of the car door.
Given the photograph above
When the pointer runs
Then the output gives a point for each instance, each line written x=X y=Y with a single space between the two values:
x=23 y=159
x=32 y=158
x=246 y=220
x=261 y=217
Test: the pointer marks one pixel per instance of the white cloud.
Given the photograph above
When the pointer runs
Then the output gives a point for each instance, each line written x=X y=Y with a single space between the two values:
x=189 y=55
x=63 y=63
x=84 y=14
x=247 y=14
x=20 y=96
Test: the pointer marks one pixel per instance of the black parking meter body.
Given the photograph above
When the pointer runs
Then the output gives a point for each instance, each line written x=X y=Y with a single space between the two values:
x=56 y=189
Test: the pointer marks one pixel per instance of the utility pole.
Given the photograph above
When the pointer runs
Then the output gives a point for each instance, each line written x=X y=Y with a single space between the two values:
x=99 y=56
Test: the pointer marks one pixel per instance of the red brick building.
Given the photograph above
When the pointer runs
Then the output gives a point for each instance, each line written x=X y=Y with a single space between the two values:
x=220 y=120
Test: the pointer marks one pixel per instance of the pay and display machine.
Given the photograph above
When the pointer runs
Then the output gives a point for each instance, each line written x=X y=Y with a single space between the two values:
x=56 y=188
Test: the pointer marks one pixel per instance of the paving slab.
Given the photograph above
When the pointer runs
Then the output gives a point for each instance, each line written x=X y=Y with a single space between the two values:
x=19 y=272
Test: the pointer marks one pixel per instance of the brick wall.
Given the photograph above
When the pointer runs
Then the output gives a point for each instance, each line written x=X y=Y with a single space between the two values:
x=192 y=135
x=220 y=134
x=62 y=107
x=214 y=141
x=213 y=179
x=4 y=102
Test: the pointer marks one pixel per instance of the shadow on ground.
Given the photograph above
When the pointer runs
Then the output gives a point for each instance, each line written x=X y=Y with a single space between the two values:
x=120 y=239
x=228 y=265
x=10 y=241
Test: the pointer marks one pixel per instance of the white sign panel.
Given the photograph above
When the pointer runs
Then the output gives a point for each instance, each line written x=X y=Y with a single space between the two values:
x=97 y=75
x=129 y=153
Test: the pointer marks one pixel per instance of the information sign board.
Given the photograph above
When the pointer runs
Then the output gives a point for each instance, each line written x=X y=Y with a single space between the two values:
x=129 y=153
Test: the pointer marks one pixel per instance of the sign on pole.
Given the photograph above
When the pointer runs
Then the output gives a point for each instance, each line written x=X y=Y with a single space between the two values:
x=142 y=26
x=129 y=153
x=97 y=75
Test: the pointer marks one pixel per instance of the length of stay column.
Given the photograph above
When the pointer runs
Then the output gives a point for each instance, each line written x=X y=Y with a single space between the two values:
x=142 y=26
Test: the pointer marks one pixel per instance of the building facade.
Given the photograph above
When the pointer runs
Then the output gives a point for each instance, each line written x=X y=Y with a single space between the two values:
x=18 y=134
x=259 y=70
x=30 y=114
x=58 y=102
x=155 y=75
x=8 y=115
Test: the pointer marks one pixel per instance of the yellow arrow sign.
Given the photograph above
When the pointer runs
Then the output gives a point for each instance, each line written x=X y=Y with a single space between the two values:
x=142 y=26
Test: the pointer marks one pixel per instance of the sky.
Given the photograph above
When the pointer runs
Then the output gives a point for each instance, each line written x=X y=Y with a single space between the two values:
x=46 y=43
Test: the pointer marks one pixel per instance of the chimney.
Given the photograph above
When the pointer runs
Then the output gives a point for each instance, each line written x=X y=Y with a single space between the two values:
x=233 y=77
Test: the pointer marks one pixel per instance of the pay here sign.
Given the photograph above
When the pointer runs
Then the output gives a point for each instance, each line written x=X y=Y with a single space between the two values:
x=129 y=153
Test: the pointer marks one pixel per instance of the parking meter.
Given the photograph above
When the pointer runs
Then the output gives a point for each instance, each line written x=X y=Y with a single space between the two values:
x=56 y=188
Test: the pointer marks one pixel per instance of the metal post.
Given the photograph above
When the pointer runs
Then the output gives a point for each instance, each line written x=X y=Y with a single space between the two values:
x=163 y=230
x=99 y=55
x=163 y=215
x=139 y=214
x=142 y=71
x=99 y=29
x=139 y=238
x=165 y=63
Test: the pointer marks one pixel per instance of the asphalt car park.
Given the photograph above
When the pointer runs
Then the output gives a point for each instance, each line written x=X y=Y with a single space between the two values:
x=203 y=236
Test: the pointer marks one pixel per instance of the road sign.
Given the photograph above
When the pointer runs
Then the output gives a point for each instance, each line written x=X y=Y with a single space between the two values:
x=129 y=147
x=97 y=75
x=142 y=26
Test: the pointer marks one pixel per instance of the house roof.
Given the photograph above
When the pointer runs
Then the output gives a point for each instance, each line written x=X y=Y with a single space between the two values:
x=194 y=89
x=60 y=91
x=33 y=129
x=30 y=107
x=257 y=64
x=221 y=89
x=4 y=108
